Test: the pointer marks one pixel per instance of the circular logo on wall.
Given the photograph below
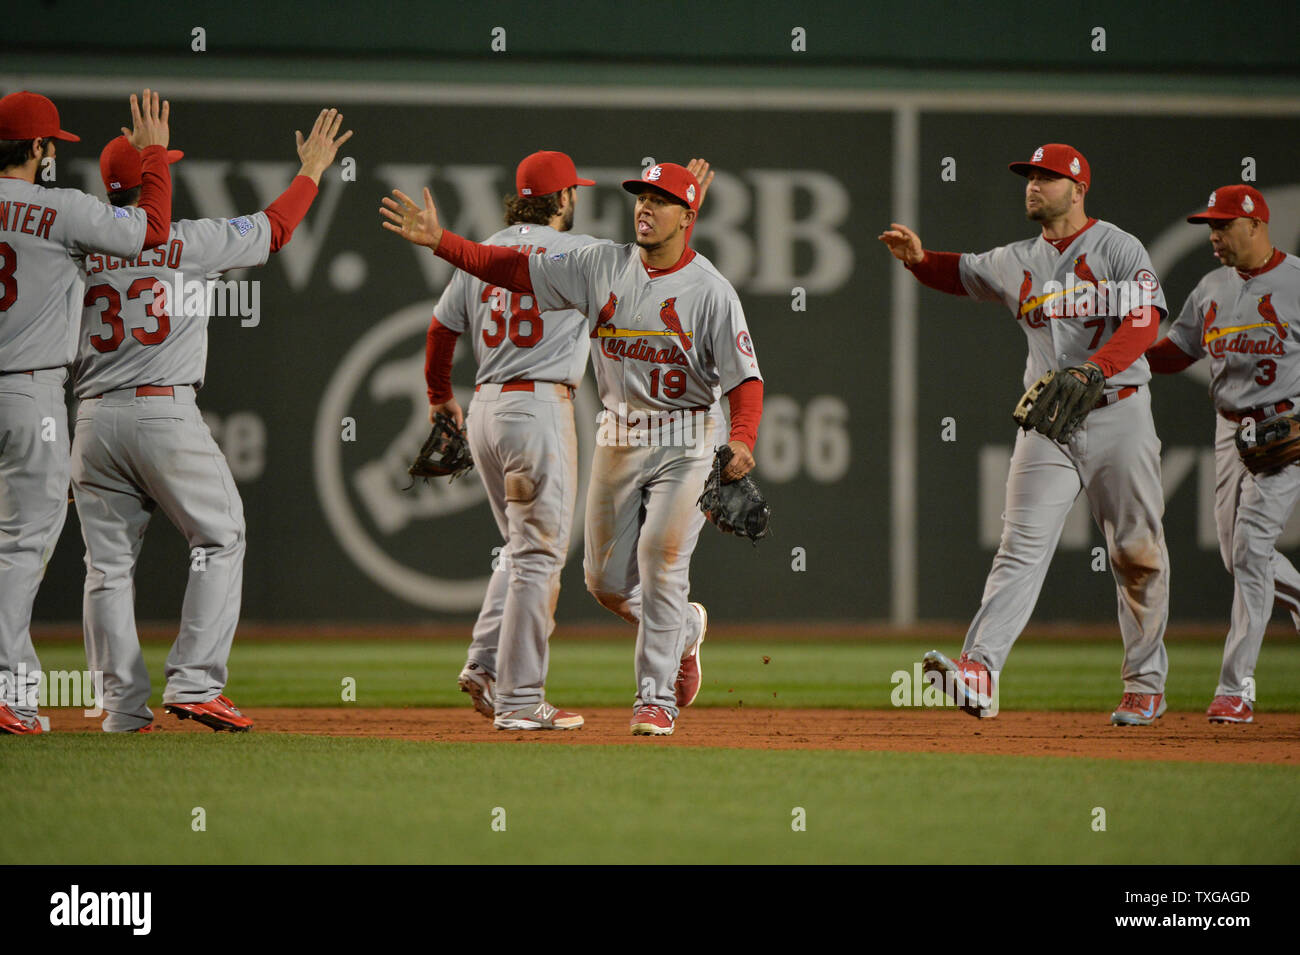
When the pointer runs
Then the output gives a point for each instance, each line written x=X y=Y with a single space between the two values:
x=373 y=418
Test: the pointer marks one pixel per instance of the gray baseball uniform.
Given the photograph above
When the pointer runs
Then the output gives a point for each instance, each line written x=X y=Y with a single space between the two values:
x=525 y=450
x=43 y=234
x=667 y=346
x=1114 y=457
x=1250 y=329
x=140 y=444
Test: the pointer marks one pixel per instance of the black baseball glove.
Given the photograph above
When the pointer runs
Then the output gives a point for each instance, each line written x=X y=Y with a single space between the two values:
x=1276 y=444
x=1056 y=404
x=736 y=507
x=445 y=452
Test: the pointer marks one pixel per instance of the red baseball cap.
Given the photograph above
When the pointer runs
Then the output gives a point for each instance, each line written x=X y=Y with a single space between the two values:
x=119 y=164
x=672 y=180
x=1056 y=158
x=25 y=115
x=545 y=172
x=1233 y=202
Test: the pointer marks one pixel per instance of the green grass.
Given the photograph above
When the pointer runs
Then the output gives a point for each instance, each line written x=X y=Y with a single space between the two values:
x=89 y=798
x=1063 y=675
x=269 y=798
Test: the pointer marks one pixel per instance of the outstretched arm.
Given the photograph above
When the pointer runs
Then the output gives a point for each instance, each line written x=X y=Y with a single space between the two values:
x=317 y=152
x=150 y=134
x=938 y=270
x=494 y=264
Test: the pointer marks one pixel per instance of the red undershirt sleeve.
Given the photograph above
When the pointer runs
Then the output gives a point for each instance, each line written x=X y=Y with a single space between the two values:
x=940 y=270
x=1166 y=358
x=288 y=210
x=1134 y=336
x=746 y=401
x=439 y=347
x=494 y=264
x=155 y=195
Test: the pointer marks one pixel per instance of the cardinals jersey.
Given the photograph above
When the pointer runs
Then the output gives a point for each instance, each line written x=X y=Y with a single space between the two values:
x=43 y=235
x=1069 y=304
x=144 y=320
x=677 y=340
x=1250 y=328
x=511 y=337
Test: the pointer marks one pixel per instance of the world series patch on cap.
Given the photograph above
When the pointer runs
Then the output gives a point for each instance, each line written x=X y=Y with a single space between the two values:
x=1233 y=202
x=673 y=180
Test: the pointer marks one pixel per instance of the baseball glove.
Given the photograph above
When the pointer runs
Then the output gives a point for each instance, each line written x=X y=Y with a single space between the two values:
x=445 y=452
x=1056 y=404
x=1276 y=444
x=735 y=507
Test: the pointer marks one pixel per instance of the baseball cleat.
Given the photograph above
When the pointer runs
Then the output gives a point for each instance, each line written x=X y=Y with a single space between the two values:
x=216 y=714
x=651 y=720
x=543 y=716
x=1139 y=709
x=476 y=681
x=1230 y=709
x=967 y=683
x=12 y=723
x=689 y=674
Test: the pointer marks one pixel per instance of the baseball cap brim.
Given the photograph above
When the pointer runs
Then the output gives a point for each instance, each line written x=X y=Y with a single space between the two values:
x=638 y=186
x=1025 y=168
x=584 y=182
x=1209 y=215
x=66 y=136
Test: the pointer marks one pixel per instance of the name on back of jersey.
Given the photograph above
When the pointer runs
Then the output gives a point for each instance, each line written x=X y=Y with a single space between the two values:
x=167 y=255
x=19 y=216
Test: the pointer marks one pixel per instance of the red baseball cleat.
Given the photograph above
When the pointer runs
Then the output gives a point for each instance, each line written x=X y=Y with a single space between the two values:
x=967 y=682
x=218 y=714
x=11 y=722
x=1230 y=709
x=1139 y=709
x=689 y=674
x=651 y=720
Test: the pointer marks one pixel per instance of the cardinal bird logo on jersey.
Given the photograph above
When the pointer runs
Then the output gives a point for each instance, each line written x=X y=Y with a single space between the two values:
x=605 y=315
x=668 y=315
x=1083 y=273
x=1210 y=314
x=1269 y=315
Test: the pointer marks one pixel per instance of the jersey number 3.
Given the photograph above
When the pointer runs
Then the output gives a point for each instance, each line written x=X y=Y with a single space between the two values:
x=112 y=318
x=503 y=302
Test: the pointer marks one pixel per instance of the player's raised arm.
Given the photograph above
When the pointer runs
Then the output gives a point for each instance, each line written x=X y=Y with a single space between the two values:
x=494 y=264
x=322 y=144
x=150 y=134
x=317 y=152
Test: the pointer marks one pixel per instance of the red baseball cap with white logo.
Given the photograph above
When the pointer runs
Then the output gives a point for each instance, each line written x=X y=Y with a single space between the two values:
x=25 y=115
x=1057 y=158
x=1233 y=202
x=672 y=180
x=119 y=164
x=546 y=172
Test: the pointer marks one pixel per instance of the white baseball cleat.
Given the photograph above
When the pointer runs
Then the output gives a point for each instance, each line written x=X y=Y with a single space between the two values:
x=542 y=716
x=478 y=683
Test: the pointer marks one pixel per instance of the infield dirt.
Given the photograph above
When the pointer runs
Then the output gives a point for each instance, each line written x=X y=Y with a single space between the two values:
x=1184 y=737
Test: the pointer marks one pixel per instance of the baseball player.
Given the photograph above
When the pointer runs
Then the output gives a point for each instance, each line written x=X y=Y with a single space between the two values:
x=43 y=234
x=672 y=339
x=141 y=443
x=1114 y=457
x=1245 y=317
x=523 y=440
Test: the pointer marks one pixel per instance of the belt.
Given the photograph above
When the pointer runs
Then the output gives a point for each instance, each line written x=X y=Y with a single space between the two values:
x=527 y=384
x=151 y=391
x=1261 y=413
x=1120 y=395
